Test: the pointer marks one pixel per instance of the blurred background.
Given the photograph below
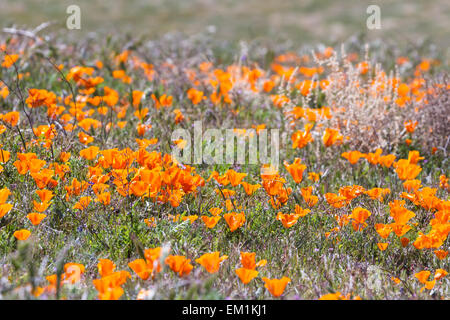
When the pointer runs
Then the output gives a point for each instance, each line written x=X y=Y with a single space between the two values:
x=328 y=21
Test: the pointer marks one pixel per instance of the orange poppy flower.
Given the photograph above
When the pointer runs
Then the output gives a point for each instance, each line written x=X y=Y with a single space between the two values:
x=89 y=153
x=443 y=182
x=152 y=256
x=335 y=200
x=384 y=230
x=331 y=136
x=179 y=264
x=296 y=169
x=36 y=218
x=110 y=293
x=229 y=205
x=109 y=286
x=4 y=92
x=429 y=285
x=352 y=156
x=439 y=274
x=441 y=254
x=308 y=197
x=378 y=193
x=45 y=195
x=195 y=96
x=234 y=177
x=22 y=234
x=104 y=198
x=400 y=229
x=250 y=188
x=400 y=214
x=141 y=114
x=12 y=118
x=43 y=177
x=163 y=100
x=222 y=180
x=136 y=97
x=35 y=165
x=179 y=117
x=422 y=276
x=9 y=60
x=406 y=170
x=215 y=211
x=4 y=156
x=85 y=138
x=387 y=160
x=5 y=208
x=180 y=143
x=288 y=220
x=359 y=216
x=4 y=194
x=414 y=157
x=117 y=278
x=403 y=89
x=333 y=296
x=300 y=139
x=38 y=291
x=313 y=176
x=211 y=222
x=374 y=157
x=351 y=192
x=300 y=211
x=363 y=67
x=404 y=241
x=39 y=98
x=276 y=286
x=141 y=268
x=410 y=126
x=268 y=85
x=248 y=260
x=68 y=265
x=105 y=267
x=40 y=206
x=52 y=283
x=144 y=143
x=234 y=220
x=83 y=203
x=412 y=185
x=211 y=261
x=191 y=218
x=246 y=275
x=139 y=188
x=120 y=74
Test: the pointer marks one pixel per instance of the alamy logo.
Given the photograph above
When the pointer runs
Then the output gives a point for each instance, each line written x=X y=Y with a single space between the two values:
x=374 y=19
x=226 y=146
x=73 y=21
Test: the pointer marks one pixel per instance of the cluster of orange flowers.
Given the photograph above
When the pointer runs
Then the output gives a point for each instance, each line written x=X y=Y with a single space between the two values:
x=109 y=285
x=114 y=174
x=423 y=277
